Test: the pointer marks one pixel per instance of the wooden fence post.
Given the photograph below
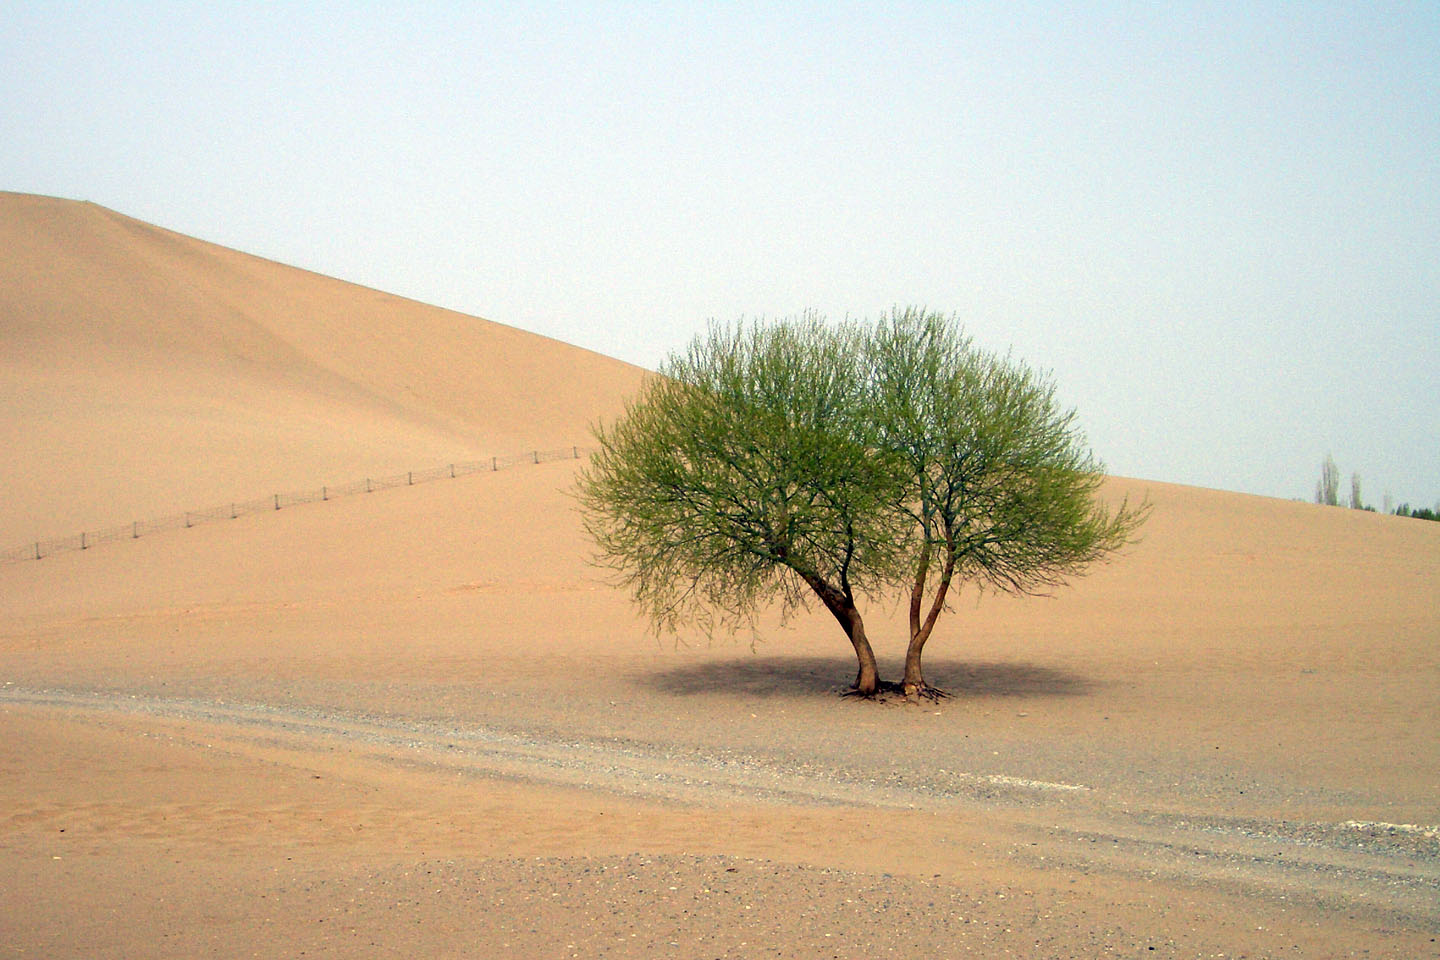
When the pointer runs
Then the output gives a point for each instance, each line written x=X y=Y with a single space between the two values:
x=85 y=542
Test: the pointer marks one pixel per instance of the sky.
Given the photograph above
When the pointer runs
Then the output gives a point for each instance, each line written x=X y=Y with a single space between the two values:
x=1215 y=225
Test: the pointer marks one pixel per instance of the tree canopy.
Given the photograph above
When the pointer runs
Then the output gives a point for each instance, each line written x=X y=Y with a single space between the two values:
x=801 y=461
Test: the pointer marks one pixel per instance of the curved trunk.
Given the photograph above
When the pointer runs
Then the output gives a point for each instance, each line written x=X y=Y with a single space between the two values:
x=867 y=679
x=914 y=682
x=843 y=609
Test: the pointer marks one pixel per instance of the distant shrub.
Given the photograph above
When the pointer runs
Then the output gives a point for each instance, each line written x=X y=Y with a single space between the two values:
x=1327 y=491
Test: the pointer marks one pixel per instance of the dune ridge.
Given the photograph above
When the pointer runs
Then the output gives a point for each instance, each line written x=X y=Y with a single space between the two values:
x=140 y=367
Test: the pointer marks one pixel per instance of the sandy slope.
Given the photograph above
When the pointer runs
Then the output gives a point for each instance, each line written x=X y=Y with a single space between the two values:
x=144 y=372
x=415 y=723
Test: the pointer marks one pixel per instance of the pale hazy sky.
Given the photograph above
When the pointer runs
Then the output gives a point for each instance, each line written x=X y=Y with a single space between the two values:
x=1218 y=225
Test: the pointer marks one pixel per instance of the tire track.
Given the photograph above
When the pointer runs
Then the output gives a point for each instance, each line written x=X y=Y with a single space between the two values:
x=1392 y=870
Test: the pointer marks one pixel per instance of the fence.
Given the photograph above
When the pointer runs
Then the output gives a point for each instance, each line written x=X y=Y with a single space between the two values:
x=40 y=549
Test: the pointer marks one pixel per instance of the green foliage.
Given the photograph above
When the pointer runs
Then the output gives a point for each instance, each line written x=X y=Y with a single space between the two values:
x=745 y=471
x=1327 y=490
x=996 y=474
x=802 y=460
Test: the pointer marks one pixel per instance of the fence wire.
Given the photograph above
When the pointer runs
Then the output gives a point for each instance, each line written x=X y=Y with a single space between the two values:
x=40 y=549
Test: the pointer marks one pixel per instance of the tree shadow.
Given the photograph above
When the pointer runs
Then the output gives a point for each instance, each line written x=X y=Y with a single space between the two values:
x=753 y=676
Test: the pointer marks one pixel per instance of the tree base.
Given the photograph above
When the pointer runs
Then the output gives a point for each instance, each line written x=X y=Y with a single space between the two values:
x=923 y=691
x=887 y=688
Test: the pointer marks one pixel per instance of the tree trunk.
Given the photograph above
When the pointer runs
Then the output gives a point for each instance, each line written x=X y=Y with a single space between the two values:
x=843 y=609
x=914 y=682
x=867 y=680
x=917 y=593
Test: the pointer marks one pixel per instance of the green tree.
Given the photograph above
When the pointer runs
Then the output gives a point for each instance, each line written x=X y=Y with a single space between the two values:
x=804 y=461
x=1327 y=490
x=997 y=482
x=747 y=471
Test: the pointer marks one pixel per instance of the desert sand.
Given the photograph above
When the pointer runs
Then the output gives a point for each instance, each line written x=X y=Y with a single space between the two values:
x=419 y=723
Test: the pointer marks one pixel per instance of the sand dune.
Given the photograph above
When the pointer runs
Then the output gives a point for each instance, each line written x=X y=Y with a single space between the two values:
x=144 y=372
x=418 y=723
